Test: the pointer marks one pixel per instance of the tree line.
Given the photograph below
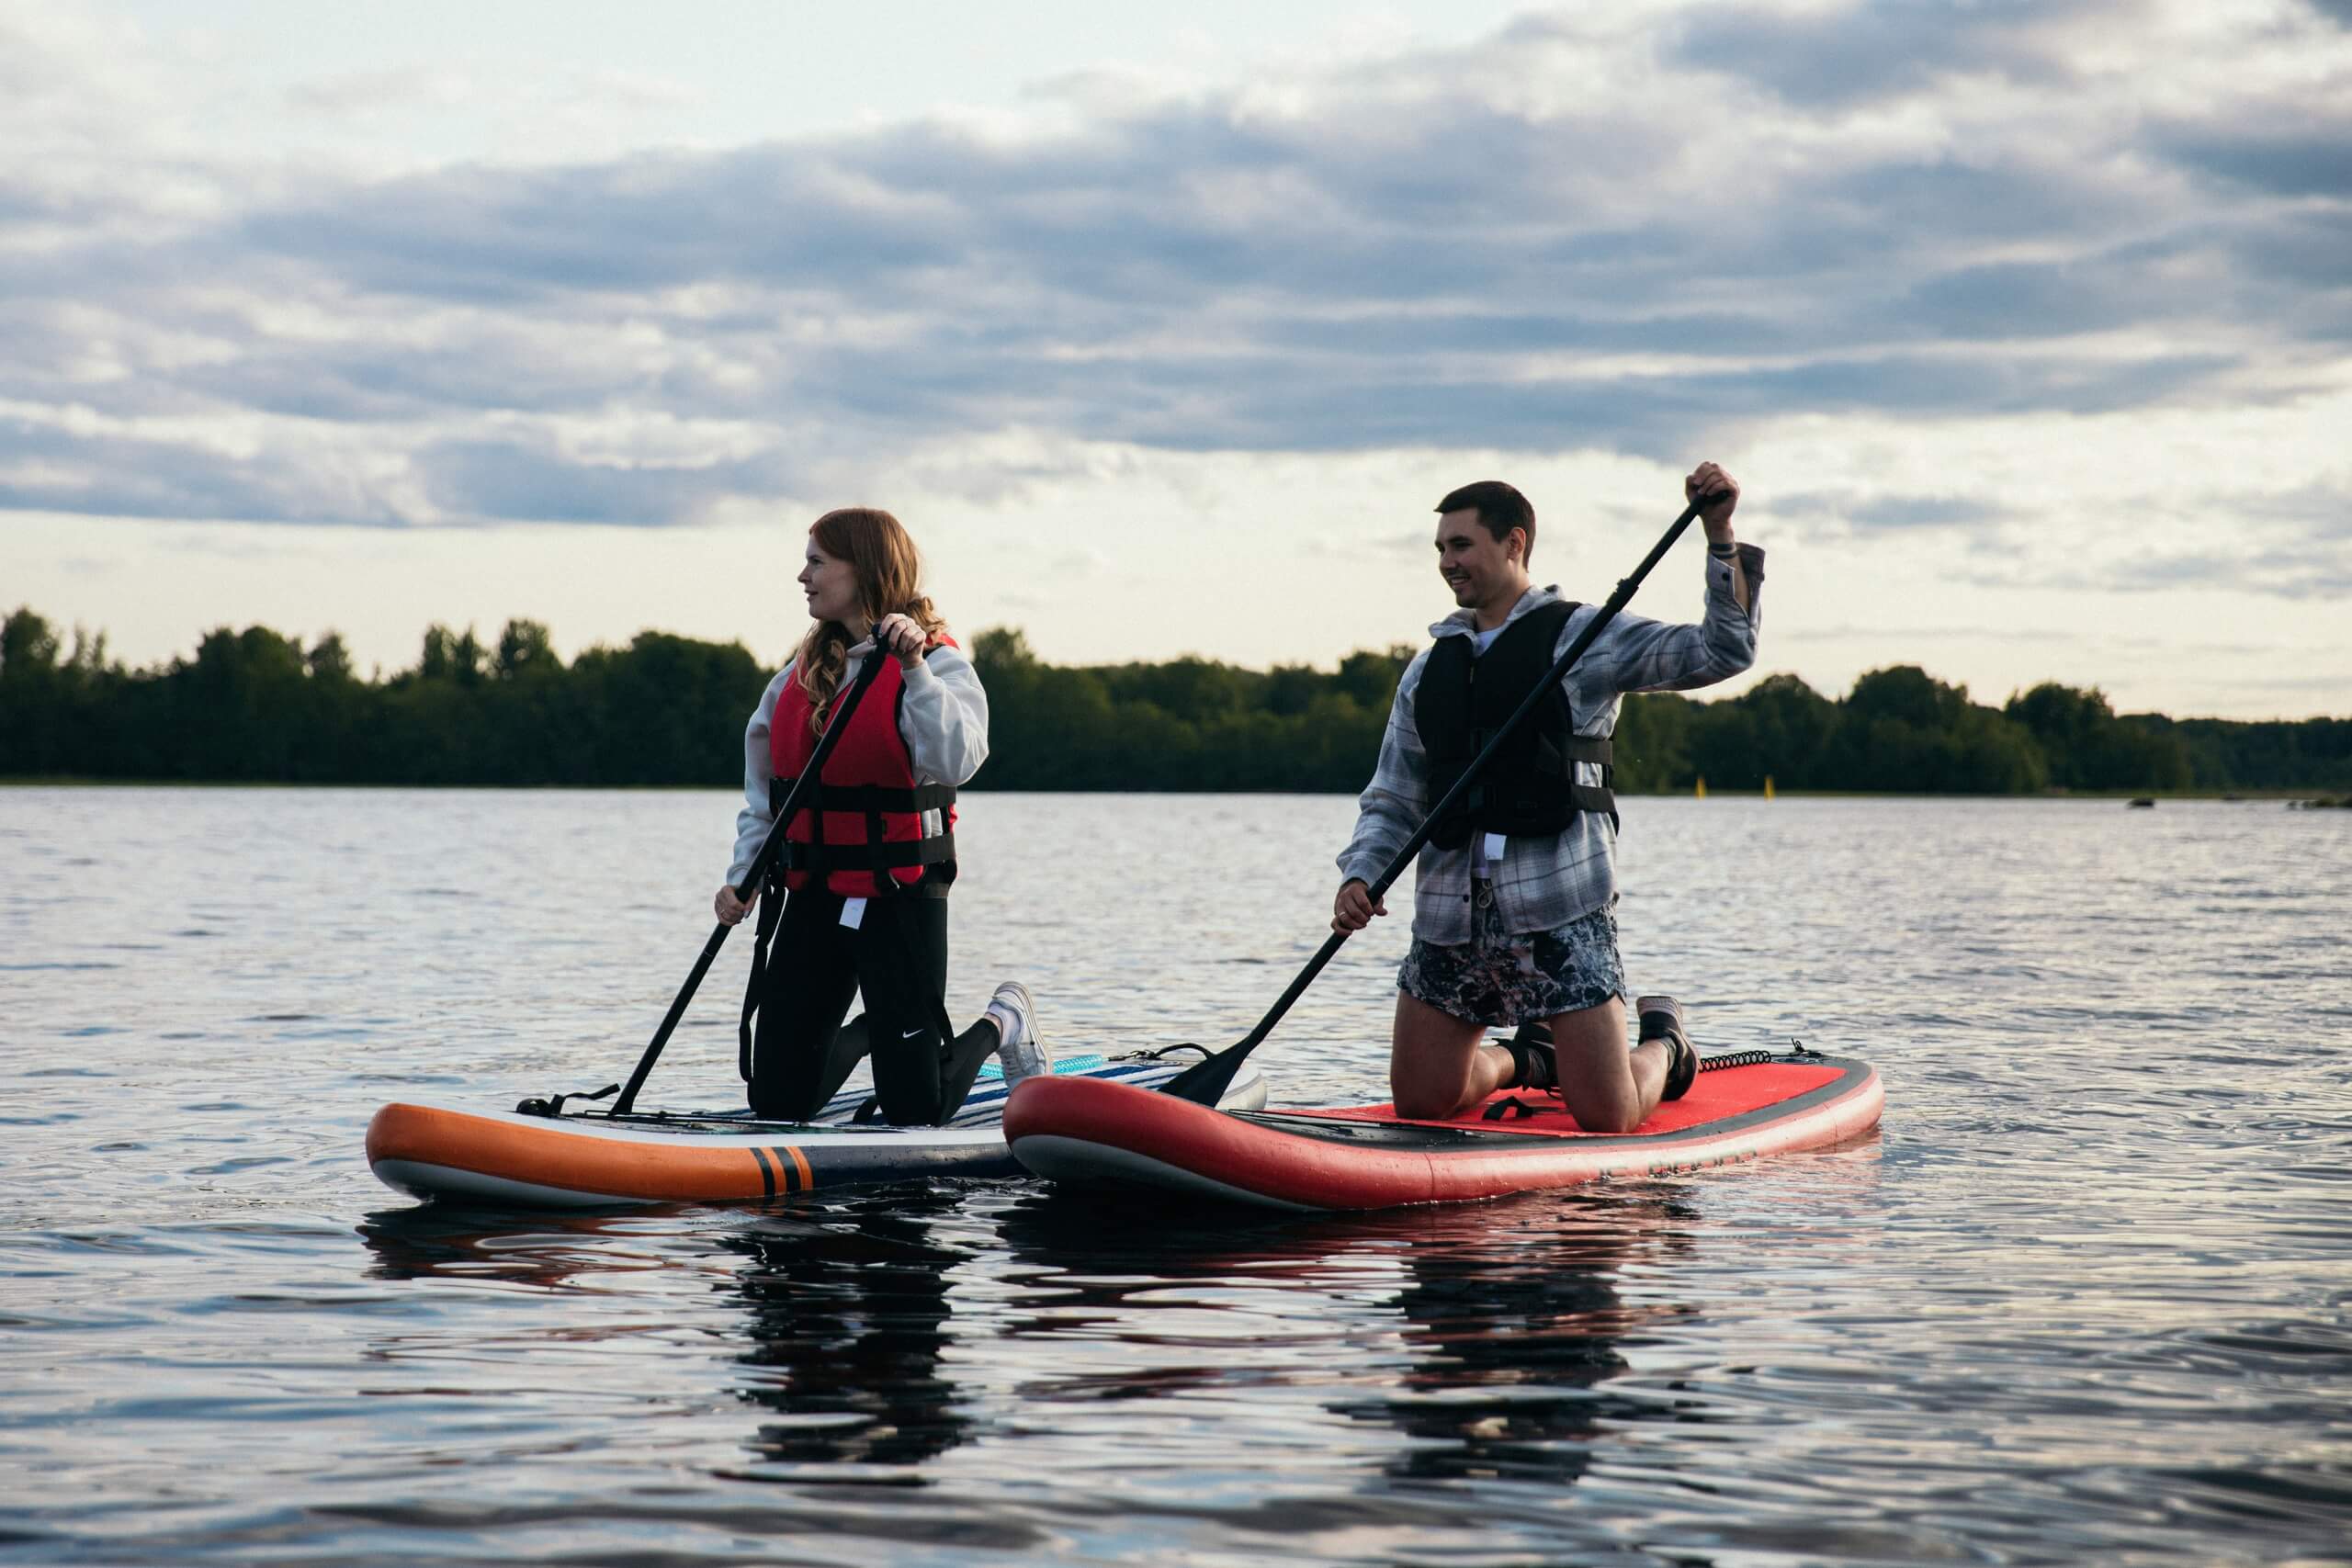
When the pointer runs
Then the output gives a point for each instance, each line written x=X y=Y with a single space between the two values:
x=255 y=706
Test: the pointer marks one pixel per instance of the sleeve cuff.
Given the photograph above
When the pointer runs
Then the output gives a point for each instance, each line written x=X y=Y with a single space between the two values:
x=1749 y=560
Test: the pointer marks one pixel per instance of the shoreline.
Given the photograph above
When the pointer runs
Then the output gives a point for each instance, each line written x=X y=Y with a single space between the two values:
x=2323 y=796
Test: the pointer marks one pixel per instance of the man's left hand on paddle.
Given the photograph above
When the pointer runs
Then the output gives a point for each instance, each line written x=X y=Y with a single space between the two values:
x=1354 y=907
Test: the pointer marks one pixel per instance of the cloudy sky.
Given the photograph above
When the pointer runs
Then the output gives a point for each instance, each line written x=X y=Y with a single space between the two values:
x=2027 y=326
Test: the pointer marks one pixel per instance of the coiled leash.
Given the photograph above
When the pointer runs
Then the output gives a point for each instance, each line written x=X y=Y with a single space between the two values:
x=1505 y=1110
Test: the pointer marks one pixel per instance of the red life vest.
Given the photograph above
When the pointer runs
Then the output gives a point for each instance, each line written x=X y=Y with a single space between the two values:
x=867 y=814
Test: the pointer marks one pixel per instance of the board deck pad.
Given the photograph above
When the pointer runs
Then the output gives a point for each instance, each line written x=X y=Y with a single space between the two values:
x=1713 y=1096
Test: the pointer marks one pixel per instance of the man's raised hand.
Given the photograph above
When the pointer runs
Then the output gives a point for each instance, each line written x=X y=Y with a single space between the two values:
x=1709 y=478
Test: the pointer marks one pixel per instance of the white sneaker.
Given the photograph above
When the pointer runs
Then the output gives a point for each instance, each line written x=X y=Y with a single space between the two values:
x=1020 y=1047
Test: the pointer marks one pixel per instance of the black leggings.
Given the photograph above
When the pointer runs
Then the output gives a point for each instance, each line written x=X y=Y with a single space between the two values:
x=897 y=957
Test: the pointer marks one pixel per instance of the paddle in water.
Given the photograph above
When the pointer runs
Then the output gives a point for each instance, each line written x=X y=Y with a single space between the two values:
x=770 y=848
x=1205 y=1083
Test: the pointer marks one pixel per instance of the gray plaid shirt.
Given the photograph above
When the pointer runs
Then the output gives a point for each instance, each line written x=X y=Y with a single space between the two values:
x=1542 y=884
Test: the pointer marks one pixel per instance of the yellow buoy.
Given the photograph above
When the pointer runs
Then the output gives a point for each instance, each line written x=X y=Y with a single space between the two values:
x=1701 y=791
x=1767 y=787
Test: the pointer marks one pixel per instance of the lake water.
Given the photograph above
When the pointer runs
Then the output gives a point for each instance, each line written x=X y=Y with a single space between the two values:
x=2086 y=1298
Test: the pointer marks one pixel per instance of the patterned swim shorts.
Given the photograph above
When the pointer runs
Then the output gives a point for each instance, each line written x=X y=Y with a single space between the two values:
x=1501 y=979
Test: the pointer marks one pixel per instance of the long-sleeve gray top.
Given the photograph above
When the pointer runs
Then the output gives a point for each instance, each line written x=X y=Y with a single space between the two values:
x=1542 y=883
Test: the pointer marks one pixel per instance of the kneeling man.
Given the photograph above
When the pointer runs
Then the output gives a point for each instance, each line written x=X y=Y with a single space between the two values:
x=1514 y=919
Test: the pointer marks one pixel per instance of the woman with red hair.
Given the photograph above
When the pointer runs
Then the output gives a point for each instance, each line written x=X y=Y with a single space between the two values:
x=858 y=901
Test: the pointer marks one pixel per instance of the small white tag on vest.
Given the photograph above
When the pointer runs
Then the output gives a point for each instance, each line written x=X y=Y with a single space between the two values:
x=852 y=912
x=1494 y=846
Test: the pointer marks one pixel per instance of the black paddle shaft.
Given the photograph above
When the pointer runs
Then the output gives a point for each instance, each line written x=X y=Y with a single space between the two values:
x=1205 y=1083
x=770 y=848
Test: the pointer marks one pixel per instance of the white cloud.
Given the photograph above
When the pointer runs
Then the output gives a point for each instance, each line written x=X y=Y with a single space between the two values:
x=2060 y=303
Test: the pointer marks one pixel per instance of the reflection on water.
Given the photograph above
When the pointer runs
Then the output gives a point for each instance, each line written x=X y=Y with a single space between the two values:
x=1510 y=1344
x=1510 y=1314
x=2083 y=1301
x=848 y=1325
x=843 y=1311
x=1509 y=1320
x=424 y=1242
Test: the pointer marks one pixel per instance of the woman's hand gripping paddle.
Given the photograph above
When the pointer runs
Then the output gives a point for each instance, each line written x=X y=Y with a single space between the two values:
x=1205 y=1083
x=770 y=849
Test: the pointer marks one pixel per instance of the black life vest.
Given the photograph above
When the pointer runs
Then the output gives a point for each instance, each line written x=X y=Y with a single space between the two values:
x=1529 y=789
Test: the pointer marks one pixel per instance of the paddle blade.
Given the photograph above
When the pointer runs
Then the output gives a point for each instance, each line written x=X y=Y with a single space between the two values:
x=1204 y=1082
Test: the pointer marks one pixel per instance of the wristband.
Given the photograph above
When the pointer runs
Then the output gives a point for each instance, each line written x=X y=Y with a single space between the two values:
x=1722 y=552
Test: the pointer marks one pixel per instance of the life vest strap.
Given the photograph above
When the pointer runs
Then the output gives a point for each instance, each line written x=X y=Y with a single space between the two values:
x=1584 y=797
x=939 y=848
x=862 y=799
x=1558 y=759
x=1558 y=756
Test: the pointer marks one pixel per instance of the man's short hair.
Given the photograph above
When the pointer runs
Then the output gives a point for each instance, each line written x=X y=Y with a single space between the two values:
x=1498 y=506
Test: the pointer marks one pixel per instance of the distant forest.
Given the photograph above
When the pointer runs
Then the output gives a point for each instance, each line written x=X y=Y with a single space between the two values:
x=259 y=707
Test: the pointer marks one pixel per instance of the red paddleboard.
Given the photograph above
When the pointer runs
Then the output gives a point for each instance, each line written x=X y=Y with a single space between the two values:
x=1087 y=1133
